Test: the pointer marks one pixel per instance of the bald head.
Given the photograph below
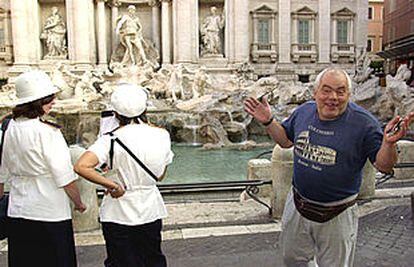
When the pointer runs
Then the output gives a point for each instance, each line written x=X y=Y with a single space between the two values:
x=341 y=74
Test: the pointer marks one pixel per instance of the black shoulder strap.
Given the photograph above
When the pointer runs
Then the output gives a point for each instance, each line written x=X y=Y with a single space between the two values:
x=4 y=126
x=111 y=155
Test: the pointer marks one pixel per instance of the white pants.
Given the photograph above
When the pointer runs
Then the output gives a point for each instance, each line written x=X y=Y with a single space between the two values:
x=331 y=244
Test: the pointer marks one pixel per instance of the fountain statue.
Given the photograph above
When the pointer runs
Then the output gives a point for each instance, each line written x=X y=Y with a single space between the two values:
x=210 y=32
x=53 y=35
x=196 y=103
x=133 y=49
x=363 y=70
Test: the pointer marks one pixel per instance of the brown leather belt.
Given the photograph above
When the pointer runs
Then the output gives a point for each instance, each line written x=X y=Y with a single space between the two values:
x=318 y=213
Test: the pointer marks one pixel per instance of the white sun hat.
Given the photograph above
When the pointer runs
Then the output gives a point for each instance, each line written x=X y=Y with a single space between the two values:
x=33 y=85
x=129 y=100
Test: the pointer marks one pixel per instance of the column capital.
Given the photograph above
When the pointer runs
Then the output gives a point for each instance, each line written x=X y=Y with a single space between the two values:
x=115 y=3
x=166 y=1
x=97 y=1
x=153 y=3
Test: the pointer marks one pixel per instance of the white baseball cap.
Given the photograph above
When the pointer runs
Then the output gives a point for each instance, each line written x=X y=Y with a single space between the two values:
x=33 y=85
x=129 y=100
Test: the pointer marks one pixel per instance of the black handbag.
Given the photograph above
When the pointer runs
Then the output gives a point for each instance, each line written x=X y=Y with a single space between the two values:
x=4 y=203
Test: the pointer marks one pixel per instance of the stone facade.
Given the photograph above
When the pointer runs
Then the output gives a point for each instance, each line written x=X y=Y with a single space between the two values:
x=292 y=39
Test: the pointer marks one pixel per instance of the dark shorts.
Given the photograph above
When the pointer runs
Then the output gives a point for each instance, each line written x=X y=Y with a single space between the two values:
x=38 y=243
x=134 y=246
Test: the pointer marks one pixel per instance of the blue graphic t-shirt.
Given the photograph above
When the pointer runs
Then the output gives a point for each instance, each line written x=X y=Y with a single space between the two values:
x=329 y=155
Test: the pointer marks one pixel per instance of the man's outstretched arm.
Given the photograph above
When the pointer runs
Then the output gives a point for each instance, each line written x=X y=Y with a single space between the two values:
x=387 y=155
x=261 y=112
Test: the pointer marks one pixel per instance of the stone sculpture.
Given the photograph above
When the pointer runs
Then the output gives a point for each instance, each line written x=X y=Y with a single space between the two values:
x=403 y=73
x=133 y=49
x=363 y=70
x=210 y=33
x=53 y=34
x=129 y=29
x=201 y=81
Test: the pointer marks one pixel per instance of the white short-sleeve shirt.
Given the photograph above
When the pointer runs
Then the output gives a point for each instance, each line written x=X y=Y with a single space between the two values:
x=142 y=202
x=36 y=160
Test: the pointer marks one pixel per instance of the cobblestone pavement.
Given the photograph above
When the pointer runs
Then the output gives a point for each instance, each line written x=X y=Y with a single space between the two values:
x=385 y=237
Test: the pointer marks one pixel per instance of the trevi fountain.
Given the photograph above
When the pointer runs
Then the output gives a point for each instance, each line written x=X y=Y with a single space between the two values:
x=198 y=106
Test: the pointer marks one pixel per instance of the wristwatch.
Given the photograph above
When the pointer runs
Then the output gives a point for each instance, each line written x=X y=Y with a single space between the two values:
x=267 y=123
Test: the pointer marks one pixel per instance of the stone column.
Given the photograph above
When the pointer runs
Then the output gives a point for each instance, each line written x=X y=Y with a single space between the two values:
x=334 y=23
x=284 y=31
x=156 y=36
x=256 y=32
x=351 y=32
x=241 y=30
x=324 y=44
x=229 y=29
x=25 y=32
x=294 y=33
x=166 y=32
x=361 y=19
x=312 y=32
x=114 y=16
x=80 y=32
x=101 y=32
x=184 y=30
x=8 y=39
x=282 y=173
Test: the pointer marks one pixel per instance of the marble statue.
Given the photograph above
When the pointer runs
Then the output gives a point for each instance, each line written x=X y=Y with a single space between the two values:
x=403 y=73
x=363 y=70
x=201 y=81
x=62 y=81
x=129 y=29
x=210 y=33
x=175 y=83
x=53 y=34
x=84 y=87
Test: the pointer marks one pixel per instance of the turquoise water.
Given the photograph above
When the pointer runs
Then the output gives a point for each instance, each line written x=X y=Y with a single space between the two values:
x=195 y=165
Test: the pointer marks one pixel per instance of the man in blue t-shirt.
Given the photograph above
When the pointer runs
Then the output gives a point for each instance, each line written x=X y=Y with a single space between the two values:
x=332 y=139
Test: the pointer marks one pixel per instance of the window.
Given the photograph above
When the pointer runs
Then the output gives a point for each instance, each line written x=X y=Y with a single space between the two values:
x=263 y=31
x=304 y=78
x=303 y=31
x=369 y=45
x=342 y=32
x=393 y=5
x=264 y=46
x=370 y=13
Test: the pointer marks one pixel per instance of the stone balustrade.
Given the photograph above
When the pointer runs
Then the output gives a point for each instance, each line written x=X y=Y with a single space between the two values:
x=405 y=155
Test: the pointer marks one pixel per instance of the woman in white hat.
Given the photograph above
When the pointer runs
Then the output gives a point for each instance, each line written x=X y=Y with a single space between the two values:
x=36 y=160
x=132 y=211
